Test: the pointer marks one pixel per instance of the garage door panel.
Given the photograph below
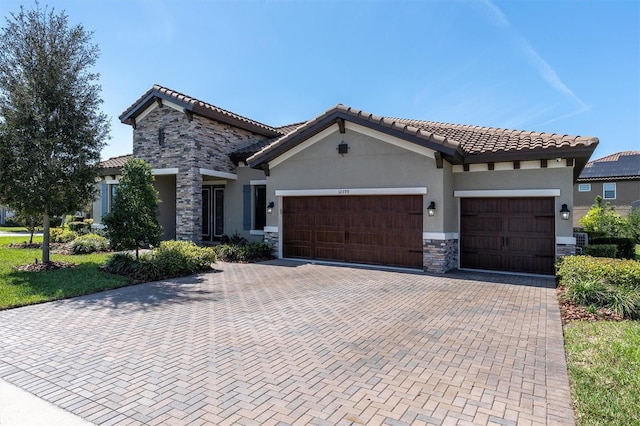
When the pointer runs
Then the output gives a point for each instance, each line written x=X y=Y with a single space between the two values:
x=523 y=225
x=356 y=228
x=356 y=255
x=527 y=263
x=402 y=258
x=331 y=237
x=482 y=242
x=508 y=234
x=298 y=235
x=482 y=224
x=297 y=251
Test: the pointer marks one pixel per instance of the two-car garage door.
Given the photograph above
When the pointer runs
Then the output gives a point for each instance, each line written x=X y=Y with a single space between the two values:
x=370 y=229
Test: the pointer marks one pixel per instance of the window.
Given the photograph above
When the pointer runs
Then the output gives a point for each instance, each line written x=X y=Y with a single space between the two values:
x=609 y=191
x=109 y=189
x=259 y=207
x=255 y=206
x=584 y=187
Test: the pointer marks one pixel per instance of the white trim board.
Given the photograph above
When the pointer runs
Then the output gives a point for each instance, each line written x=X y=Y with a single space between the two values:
x=497 y=193
x=216 y=173
x=439 y=235
x=258 y=182
x=350 y=191
x=272 y=229
x=566 y=240
x=168 y=171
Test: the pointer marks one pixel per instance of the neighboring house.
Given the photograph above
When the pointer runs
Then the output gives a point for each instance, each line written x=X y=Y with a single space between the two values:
x=349 y=186
x=616 y=178
x=110 y=173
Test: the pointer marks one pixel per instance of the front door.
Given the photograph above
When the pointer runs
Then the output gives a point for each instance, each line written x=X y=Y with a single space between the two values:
x=212 y=213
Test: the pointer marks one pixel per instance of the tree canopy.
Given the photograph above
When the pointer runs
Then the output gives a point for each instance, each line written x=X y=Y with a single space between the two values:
x=133 y=221
x=51 y=127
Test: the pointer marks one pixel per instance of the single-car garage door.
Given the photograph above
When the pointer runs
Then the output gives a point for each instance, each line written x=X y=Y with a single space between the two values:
x=508 y=234
x=379 y=230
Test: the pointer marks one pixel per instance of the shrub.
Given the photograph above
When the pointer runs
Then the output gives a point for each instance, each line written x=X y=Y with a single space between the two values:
x=121 y=264
x=88 y=243
x=609 y=283
x=175 y=258
x=243 y=253
x=59 y=235
x=80 y=227
x=147 y=269
x=625 y=247
x=601 y=250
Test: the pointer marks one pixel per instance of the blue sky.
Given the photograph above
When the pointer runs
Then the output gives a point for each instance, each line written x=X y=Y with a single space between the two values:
x=569 y=67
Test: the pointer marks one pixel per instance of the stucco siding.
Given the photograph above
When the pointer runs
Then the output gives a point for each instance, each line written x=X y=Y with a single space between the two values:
x=370 y=163
x=166 y=187
x=234 y=203
x=547 y=178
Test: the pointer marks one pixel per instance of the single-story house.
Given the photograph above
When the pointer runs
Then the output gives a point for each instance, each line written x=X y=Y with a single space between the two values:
x=616 y=178
x=349 y=186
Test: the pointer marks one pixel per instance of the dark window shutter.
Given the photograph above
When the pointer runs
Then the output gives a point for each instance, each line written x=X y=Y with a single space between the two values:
x=105 y=199
x=246 y=207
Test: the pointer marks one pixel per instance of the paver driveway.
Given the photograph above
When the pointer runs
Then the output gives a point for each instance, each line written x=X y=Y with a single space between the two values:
x=293 y=343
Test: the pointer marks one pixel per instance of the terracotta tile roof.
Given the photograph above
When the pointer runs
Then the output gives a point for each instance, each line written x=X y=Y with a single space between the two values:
x=458 y=143
x=197 y=107
x=115 y=162
x=619 y=166
x=480 y=140
x=113 y=165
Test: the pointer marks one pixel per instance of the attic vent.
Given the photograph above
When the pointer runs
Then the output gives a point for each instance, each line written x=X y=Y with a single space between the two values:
x=161 y=136
x=343 y=148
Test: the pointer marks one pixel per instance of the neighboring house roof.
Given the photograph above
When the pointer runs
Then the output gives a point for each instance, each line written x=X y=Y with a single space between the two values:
x=619 y=166
x=113 y=165
x=157 y=93
x=459 y=144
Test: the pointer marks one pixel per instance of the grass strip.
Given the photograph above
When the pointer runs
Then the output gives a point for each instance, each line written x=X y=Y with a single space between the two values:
x=603 y=359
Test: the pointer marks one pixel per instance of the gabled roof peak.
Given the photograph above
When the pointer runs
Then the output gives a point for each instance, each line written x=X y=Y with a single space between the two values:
x=195 y=106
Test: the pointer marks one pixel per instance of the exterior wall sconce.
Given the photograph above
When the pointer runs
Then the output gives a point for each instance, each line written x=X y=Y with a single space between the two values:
x=431 y=209
x=564 y=212
x=270 y=207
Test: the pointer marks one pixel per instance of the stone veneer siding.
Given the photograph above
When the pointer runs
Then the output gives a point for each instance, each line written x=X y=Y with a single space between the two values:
x=188 y=146
x=272 y=238
x=565 y=250
x=440 y=256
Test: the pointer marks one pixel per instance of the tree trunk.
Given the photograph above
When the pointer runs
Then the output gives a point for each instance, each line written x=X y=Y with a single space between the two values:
x=137 y=254
x=45 y=238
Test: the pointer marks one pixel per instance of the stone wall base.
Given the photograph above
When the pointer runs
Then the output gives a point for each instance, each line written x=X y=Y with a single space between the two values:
x=565 y=250
x=440 y=256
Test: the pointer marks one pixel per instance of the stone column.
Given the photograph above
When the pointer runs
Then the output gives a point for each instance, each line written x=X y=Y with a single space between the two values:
x=440 y=256
x=189 y=205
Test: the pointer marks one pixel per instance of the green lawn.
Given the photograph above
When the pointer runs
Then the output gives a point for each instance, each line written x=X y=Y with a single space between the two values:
x=26 y=288
x=604 y=368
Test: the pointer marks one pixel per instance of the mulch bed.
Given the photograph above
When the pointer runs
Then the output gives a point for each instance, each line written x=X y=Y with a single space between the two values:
x=48 y=266
x=570 y=311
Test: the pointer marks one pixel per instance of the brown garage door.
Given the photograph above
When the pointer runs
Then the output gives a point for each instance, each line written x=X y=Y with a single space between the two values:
x=379 y=230
x=508 y=234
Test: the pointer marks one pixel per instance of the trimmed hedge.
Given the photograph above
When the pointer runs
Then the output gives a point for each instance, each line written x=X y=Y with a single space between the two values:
x=626 y=247
x=601 y=250
x=171 y=259
x=602 y=282
x=59 y=235
x=89 y=243
x=243 y=253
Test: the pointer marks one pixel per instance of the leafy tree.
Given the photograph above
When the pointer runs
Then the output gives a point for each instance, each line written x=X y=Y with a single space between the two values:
x=133 y=221
x=602 y=220
x=51 y=129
